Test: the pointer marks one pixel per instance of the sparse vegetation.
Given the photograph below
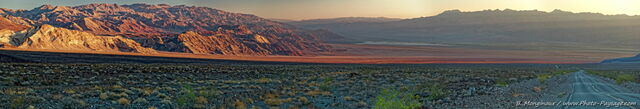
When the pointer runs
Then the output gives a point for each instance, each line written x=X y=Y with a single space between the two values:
x=537 y=89
x=17 y=102
x=618 y=77
x=104 y=96
x=249 y=86
x=397 y=99
x=303 y=100
x=621 y=78
x=239 y=105
x=124 y=101
x=326 y=84
x=437 y=92
x=544 y=76
x=186 y=97
x=140 y=101
x=501 y=83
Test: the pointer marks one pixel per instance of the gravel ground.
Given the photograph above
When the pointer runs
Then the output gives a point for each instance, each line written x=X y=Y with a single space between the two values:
x=553 y=89
x=633 y=86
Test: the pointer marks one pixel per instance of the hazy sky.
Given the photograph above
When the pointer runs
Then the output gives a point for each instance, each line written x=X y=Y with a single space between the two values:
x=310 y=9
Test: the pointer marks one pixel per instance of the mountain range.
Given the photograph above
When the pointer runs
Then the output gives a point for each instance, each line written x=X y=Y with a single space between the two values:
x=144 y=28
x=341 y=20
x=150 y=28
x=635 y=59
x=501 y=29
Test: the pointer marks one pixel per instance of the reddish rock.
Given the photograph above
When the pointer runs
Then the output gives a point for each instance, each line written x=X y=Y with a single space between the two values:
x=218 y=32
x=49 y=37
x=10 y=25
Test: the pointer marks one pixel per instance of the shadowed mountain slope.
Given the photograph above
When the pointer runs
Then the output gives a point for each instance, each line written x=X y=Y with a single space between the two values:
x=635 y=59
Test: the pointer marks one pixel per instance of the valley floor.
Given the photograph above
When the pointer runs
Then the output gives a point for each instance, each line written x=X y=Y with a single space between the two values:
x=349 y=53
x=107 y=81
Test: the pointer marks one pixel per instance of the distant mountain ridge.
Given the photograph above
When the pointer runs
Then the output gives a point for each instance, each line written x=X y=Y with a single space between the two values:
x=148 y=24
x=331 y=37
x=635 y=59
x=504 y=29
x=344 y=20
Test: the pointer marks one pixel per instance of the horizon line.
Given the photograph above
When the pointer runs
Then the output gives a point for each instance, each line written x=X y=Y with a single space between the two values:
x=320 y=18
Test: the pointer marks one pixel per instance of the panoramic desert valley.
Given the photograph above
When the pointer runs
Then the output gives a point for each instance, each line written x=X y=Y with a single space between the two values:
x=188 y=54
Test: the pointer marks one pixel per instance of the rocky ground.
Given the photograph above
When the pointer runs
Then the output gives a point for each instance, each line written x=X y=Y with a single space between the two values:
x=262 y=86
x=555 y=88
x=614 y=76
x=633 y=86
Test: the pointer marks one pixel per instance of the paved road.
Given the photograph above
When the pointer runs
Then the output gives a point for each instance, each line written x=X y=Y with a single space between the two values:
x=594 y=90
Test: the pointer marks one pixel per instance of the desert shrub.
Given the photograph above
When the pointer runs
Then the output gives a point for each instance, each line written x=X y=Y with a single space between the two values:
x=140 y=101
x=69 y=102
x=239 y=104
x=104 y=96
x=562 y=72
x=303 y=100
x=621 y=78
x=124 y=101
x=617 y=76
x=147 y=91
x=201 y=100
x=501 y=83
x=437 y=92
x=186 y=96
x=23 y=101
x=326 y=84
x=210 y=93
x=602 y=73
x=432 y=91
x=17 y=102
x=396 y=99
x=544 y=77
x=263 y=80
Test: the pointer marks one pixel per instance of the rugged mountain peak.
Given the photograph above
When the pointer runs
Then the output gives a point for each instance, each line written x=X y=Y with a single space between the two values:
x=635 y=59
x=218 y=44
x=512 y=16
x=6 y=23
x=209 y=29
x=102 y=5
x=450 y=12
x=343 y=20
x=4 y=11
x=50 y=37
x=46 y=28
x=5 y=38
x=19 y=20
x=46 y=7
x=103 y=9
x=54 y=8
x=261 y=39
x=558 y=11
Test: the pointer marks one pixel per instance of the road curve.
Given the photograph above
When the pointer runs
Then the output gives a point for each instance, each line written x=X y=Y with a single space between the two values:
x=595 y=93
